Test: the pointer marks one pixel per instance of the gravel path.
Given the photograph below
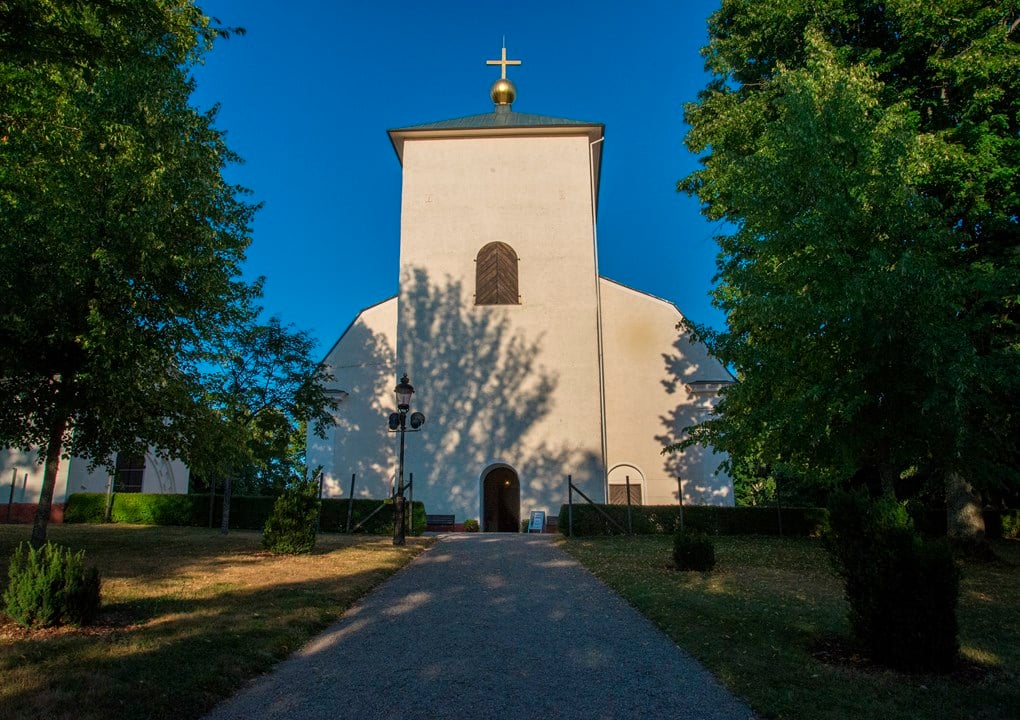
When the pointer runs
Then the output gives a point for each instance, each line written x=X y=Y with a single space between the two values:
x=489 y=626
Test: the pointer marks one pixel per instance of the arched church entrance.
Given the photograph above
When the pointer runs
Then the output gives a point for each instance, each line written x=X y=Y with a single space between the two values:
x=501 y=493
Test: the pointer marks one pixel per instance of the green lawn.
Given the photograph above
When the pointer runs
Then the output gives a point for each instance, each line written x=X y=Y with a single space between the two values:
x=188 y=616
x=770 y=622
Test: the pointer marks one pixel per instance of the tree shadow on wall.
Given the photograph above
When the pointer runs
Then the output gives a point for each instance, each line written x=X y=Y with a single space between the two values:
x=489 y=396
x=364 y=367
x=695 y=465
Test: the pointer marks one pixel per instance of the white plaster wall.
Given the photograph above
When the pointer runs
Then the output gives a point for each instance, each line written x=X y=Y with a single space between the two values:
x=79 y=479
x=73 y=476
x=362 y=364
x=647 y=363
x=19 y=463
x=515 y=385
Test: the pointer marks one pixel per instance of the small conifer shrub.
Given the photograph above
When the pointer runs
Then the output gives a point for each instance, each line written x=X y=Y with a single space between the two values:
x=290 y=528
x=693 y=551
x=470 y=525
x=901 y=589
x=51 y=586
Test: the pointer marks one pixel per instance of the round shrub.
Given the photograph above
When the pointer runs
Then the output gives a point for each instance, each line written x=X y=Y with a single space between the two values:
x=290 y=528
x=693 y=551
x=470 y=525
x=50 y=586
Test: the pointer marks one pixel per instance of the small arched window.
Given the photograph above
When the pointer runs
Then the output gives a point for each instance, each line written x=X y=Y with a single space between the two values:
x=496 y=275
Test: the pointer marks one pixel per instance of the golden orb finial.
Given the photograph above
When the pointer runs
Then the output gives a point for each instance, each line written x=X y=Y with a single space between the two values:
x=503 y=92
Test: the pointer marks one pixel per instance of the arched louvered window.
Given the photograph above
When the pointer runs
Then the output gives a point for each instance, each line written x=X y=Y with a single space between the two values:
x=496 y=275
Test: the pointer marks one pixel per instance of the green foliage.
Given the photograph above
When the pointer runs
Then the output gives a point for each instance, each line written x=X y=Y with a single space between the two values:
x=49 y=586
x=246 y=512
x=665 y=519
x=261 y=391
x=121 y=242
x=334 y=516
x=471 y=525
x=138 y=508
x=864 y=155
x=290 y=528
x=1011 y=524
x=902 y=590
x=693 y=551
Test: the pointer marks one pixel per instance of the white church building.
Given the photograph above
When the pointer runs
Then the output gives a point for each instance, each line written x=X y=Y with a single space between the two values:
x=529 y=366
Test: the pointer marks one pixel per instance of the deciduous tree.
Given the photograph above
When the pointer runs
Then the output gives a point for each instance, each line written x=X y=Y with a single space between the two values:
x=120 y=240
x=260 y=388
x=865 y=156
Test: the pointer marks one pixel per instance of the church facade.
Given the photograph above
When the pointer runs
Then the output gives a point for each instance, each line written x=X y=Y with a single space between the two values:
x=529 y=366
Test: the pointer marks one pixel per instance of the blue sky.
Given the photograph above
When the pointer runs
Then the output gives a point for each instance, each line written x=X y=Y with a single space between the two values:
x=306 y=97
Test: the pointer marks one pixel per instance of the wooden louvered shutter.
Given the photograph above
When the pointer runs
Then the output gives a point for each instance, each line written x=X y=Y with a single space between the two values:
x=496 y=275
x=618 y=494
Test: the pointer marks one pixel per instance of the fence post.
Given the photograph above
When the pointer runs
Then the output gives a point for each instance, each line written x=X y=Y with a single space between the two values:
x=630 y=521
x=350 y=505
x=570 y=505
x=10 y=500
x=680 y=494
x=108 y=513
x=779 y=509
x=318 y=514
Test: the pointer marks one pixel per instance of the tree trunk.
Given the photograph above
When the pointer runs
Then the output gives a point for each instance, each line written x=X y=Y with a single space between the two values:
x=54 y=445
x=225 y=524
x=212 y=501
x=888 y=476
x=964 y=521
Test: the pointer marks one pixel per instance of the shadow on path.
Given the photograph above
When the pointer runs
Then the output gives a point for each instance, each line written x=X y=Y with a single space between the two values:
x=487 y=626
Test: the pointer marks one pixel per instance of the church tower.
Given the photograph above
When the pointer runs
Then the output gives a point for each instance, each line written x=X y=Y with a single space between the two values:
x=498 y=324
x=528 y=365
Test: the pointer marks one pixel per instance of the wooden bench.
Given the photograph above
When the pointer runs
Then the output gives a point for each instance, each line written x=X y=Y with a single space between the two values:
x=439 y=522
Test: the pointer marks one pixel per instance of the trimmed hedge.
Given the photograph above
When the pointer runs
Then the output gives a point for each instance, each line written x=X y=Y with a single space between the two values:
x=709 y=519
x=715 y=520
x=247 y=512
x=334 y=516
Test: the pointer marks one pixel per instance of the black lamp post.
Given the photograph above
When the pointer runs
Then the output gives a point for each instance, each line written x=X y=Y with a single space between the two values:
x=398 y=423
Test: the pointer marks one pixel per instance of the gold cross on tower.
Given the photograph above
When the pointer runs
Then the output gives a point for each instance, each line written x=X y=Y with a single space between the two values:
x=503 y=62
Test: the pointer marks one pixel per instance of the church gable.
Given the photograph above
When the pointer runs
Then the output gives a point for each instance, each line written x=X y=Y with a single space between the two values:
x=655 y=380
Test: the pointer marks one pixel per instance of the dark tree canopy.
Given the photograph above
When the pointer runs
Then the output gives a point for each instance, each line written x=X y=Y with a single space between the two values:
x=865 y=156
x=120 y=241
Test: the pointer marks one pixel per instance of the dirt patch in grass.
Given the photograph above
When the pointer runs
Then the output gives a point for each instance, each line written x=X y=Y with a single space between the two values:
x=188 y=616
x=841 y=652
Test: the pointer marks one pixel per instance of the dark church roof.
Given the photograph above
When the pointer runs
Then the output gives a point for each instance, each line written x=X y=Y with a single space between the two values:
x=501 y=117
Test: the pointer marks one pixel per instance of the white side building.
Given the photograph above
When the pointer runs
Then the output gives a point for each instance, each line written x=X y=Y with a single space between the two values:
x=21 y=476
